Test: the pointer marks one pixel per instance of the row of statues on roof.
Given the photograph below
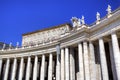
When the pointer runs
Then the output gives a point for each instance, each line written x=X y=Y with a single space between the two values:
x=10 y=46
x=78 y=22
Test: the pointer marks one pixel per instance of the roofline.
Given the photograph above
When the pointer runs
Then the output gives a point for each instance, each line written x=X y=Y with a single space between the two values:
x=47 y=29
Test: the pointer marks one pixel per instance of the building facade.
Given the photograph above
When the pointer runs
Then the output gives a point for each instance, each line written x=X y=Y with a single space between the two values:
x=65 y=52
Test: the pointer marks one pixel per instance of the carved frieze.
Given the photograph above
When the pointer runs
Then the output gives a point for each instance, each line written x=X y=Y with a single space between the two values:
x=45 y=35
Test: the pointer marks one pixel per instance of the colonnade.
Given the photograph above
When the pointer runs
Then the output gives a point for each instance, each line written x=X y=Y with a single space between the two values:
x=65 y=63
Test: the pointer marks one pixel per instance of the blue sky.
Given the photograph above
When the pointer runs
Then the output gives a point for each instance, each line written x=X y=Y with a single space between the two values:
x=18 y=17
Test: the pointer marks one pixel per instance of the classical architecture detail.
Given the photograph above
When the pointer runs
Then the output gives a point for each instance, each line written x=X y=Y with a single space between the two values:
x=4 y=45
x=108 y=11
x=39 y=37
x=10 y=45
x=17 y=45
x=98 y=18
x=76 y=21
x=66 y=52
x=82 y=20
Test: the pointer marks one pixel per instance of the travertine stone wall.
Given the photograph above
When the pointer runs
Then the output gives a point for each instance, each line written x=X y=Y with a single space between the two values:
x=44 y=36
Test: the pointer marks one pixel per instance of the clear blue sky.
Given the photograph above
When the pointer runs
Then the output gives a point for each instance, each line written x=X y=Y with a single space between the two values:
x=18 y=17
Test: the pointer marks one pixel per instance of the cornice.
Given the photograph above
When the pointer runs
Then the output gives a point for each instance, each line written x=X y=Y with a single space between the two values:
x=30 y=49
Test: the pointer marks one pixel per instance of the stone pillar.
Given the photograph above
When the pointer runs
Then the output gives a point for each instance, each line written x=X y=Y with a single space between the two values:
x=72 y=64
x=0 y=66
x=7 y=69
x=42 y=74
x=93 y=66
x=116 y=54
x=21 y=69
x=58 y=63
x=58 y=68
x=50 y=67
x=98 y=66
x=86 y=61
x=28 y=68
x=103 y=60
x=14 y=69
x=80 y=60
x=67 y=73
x=62 y=65
x=112 y=60
x=35 y=70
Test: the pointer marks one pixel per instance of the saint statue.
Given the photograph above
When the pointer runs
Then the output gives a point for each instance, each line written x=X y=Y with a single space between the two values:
x=76 y=21
x=82 y=20
x=109 y=9
x=4 y=45
x=98 y=16
x=79 y=22
x=10 y=45
x=17 y=44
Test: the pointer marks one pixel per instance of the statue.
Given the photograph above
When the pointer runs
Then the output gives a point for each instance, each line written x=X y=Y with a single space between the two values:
x=76 y=21
x=109 y=9
x=82 y=20
x=17 y=44
x=10 y=45
x=98 y=16
x=79 y=22
x=4 y=45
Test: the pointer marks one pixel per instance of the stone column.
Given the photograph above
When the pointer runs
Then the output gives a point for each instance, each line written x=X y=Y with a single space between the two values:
x=14 y=69
x=116 y=54
x=80 y=60
x=67 y=73
x=21 y=69
x=72 y=64
x=35 y=70
x=28 y=68
x=98 y=66
x=42 y=74
x=58 y=68
x=0 y=66
x=86 y=61
x=58 y=63
x=62 y=65
x=93 y=66
x=103 y=60
x=7 y=69
x=50 y=67
x=112 y=60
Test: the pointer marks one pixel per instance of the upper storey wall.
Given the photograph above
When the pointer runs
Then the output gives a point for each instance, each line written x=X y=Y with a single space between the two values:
x=45 y=35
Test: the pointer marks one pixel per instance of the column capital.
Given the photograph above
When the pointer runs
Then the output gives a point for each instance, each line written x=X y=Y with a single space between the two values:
x=80 y=42
x=29 y=55
x=66 y=47
x=101 y=37
x=7 y=58
x=36 y=55
x=113 y=32
x=85 y=41
x=0 y=58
